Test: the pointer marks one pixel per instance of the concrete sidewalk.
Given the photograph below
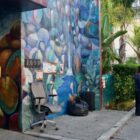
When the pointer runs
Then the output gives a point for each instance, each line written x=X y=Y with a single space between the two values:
x=11 y=135
x=98 y=125
x=90 y=127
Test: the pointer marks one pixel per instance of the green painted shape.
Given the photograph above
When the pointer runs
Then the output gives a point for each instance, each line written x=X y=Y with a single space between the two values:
x=12 y=58
x=108 y=91
x=6 y=109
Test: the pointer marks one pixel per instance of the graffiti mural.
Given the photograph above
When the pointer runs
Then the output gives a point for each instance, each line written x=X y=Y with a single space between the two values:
x=10 y=70
x=65 y=37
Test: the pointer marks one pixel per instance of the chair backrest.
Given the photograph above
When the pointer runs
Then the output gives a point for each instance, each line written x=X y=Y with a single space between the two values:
x=38 y=91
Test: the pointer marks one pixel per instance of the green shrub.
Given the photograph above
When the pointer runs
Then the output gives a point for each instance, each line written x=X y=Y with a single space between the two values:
x=125 y=69
x=123 y=81
x=131 y=60
x=123 y=87
x=106 y=69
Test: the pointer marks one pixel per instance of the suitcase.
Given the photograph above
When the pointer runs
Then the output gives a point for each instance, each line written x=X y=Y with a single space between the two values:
x=89 y=98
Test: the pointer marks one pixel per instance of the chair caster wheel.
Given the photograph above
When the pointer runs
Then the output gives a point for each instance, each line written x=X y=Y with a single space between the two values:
x=41 y=131
x=32 y=127
x=56 y=128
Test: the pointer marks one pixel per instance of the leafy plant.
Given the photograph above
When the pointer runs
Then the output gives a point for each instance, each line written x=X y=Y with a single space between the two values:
x=131 y=60
x=115 y=13
x=125 y=3
x=125 y=69
x=107 y=41
x=135 y=40
x=123 y=82
x=108 y=54
x=124 y=88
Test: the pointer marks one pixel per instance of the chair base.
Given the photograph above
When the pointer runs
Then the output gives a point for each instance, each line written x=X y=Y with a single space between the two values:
x=44 y=125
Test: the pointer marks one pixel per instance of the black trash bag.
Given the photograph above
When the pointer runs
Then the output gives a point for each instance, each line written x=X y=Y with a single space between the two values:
x=77 y=107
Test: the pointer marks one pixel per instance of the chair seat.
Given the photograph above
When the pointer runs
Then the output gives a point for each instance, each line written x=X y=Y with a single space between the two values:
x=53 y=108
x=45 y=109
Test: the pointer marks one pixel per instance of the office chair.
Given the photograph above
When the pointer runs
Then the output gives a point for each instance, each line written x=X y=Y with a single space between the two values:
x=41 y=106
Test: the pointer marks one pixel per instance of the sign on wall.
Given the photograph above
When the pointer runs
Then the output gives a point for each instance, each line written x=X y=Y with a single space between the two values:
x=32 y=63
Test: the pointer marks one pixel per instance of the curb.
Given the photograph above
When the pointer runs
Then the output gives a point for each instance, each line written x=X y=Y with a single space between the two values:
x=47 y=136
x=107 y=135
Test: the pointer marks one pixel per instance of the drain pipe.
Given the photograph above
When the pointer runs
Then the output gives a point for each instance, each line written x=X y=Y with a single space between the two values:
x=100 y=46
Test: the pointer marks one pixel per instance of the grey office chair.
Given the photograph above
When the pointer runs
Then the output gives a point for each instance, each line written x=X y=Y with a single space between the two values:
x=40 y=105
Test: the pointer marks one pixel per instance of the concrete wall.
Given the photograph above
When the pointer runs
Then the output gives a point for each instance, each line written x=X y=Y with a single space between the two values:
x=129 y=51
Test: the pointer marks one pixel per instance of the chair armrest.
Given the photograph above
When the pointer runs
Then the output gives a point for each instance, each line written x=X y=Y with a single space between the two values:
x=52 y=95
x=39 y=105
x=39 y=98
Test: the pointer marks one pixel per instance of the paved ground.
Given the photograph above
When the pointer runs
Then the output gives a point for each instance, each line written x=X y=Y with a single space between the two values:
x=131 y=131
x=10 y=135
x=85 y=128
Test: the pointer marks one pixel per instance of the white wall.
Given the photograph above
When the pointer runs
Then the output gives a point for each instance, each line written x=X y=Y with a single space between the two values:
x=129 y=50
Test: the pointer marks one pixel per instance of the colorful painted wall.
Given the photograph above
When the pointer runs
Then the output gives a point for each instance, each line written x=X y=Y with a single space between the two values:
x=10 y=70
x=65 y=34
x=41 y=2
